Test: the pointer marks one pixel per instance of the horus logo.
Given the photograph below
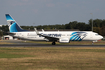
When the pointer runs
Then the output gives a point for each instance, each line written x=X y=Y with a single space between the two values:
x=78 y=36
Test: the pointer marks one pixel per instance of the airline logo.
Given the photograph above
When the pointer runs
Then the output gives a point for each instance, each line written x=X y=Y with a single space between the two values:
x=51 y=35
x=78 y=36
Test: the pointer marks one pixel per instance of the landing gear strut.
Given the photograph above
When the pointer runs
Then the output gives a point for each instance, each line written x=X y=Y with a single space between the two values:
x=53 y=43
x=92 y=43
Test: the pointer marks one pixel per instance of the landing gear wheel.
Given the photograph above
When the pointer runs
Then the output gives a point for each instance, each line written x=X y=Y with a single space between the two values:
x=53 y=43
x=92 y=43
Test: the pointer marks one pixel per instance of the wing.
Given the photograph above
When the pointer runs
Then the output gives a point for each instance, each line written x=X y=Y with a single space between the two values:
x=50 y=38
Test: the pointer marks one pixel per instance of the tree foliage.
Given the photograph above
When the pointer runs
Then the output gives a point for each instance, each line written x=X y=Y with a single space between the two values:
x=4 y=30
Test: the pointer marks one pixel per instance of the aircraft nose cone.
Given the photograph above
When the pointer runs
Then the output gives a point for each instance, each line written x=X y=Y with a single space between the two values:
x=101 y=37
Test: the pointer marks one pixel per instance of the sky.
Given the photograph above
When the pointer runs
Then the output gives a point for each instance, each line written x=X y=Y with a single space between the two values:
x=51 y=12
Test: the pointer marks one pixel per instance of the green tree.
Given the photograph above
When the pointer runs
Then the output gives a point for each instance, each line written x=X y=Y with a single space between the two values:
x=97 y=30
x=1 y=33
x=103 y=23
x=97 y=22
x=102 y=32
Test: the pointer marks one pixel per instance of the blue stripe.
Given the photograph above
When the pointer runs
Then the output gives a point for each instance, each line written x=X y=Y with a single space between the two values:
x=80 y=39
x=72 y=37
x=75 y=36
x=77 y=39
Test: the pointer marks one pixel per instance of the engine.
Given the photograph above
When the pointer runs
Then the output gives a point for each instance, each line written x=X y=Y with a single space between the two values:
x=64 y=40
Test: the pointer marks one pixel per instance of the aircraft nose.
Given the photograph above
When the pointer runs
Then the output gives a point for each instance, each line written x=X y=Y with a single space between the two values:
x=101 y=37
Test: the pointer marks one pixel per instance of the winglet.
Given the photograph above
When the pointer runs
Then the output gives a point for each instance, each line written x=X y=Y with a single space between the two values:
x=42 y=30
x=36 y=31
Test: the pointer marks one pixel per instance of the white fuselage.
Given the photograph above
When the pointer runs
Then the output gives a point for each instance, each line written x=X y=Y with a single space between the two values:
x=71 y=35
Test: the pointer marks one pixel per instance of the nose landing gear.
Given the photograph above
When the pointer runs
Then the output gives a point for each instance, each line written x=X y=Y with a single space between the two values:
x=93 y=42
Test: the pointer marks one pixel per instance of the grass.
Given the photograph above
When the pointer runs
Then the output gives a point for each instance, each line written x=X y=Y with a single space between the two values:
x=6 y=55
x=52 y=58
x=4 y=42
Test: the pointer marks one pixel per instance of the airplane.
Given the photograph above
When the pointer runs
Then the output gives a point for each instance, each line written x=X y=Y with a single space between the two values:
x=52 y=36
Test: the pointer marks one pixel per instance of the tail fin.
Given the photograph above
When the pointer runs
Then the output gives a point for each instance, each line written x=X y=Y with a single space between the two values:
x=13 y=26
